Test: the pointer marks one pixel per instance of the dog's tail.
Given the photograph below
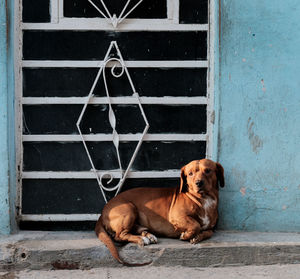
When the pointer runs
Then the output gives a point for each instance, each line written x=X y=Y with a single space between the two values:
x=105 y=238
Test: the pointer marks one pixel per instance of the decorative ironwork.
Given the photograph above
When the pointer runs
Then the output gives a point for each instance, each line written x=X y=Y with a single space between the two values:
x=116 y=62
x=113 y=19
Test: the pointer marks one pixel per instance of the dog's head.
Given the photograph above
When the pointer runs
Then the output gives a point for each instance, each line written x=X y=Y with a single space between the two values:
x=201 y=176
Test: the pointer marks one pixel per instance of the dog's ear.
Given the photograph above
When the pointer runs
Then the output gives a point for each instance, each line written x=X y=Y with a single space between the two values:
x=183 y=184
x=220 y=174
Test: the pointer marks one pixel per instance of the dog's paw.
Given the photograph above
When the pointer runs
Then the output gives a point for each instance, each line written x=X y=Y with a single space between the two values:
x=152 y=238
x=182 y=236
x=144 y=241
x=196 y=239
x=193 y=240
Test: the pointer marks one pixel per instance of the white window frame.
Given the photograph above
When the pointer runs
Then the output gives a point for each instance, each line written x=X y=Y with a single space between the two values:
x=58 y=22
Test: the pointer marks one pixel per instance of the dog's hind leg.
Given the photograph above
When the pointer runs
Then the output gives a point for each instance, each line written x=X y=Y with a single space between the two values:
x=125 y=235
x=122 y=222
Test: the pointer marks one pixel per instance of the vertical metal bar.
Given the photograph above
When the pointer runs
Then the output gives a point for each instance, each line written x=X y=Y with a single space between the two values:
x=54 y=11
x=139 y=143
x=60 y=9
x=170 y=9
x=212 y=112
x=112 y=117
x=175 y=9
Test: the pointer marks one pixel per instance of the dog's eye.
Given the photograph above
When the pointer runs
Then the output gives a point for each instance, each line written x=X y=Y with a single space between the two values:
x=190 y=173
x=207 y=171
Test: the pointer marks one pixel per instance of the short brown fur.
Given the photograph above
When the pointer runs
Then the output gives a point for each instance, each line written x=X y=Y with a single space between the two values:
x=188 y=212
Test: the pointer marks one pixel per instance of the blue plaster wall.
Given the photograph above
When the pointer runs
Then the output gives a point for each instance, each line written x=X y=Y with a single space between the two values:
x=259 y=114
x=7 y=142
x=4 y=164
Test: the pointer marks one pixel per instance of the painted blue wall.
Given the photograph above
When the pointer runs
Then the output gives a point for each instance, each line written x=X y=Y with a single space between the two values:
x=7 y=142
x=4 y=164
x=259 y=114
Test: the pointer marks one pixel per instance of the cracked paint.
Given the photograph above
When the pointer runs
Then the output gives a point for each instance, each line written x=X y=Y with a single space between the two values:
x=255 y=140
x=263 y=85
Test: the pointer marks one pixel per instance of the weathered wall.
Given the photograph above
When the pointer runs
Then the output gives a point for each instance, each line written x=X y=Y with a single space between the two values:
x=7 y=150
x=259 y=116
x=4 y=178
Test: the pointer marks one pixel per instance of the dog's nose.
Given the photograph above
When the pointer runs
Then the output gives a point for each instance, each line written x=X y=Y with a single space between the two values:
x=200 y=183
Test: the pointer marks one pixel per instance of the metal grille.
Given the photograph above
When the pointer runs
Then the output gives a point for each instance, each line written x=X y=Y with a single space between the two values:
x=112 y=120
x=113 y=18
x=165 y=57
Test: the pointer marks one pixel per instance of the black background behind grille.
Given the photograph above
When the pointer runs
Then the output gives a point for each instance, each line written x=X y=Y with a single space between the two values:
x=147 y=9
x=92 y=45
x=149 y=82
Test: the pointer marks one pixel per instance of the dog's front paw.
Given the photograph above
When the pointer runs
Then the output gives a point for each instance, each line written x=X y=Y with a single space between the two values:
x=152 y=238
x=182 y=236
x=144 y=241
x=196 y=239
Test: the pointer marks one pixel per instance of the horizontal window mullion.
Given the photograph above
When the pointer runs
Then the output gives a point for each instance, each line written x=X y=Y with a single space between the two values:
x=109 y=137
x=127 y=25
x=58 y=217
x=115 y=100
x=91 y=175
x=129 y=64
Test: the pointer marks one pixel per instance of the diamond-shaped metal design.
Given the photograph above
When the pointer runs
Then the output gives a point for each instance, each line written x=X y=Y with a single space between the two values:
x=117 y=61
x=113 y=19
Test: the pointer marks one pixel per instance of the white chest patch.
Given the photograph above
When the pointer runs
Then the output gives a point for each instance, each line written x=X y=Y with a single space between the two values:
x=209 y=203
x=205 y=222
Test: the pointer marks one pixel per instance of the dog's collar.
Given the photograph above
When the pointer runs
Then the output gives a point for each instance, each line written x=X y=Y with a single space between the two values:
x=190 y=196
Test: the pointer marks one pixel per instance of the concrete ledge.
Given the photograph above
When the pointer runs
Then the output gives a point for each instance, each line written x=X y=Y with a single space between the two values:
x=82 y=250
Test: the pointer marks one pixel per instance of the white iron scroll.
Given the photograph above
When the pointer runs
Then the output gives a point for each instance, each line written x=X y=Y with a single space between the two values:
x=117 y=62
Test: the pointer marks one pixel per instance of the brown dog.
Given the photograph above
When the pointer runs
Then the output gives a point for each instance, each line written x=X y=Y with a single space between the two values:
x=188 y=212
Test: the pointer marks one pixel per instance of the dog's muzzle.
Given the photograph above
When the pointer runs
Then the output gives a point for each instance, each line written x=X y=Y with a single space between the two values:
x=200 y=184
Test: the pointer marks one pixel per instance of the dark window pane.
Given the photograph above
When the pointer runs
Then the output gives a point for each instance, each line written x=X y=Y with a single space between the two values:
x=61 y=119
x=193 y=11
x=55 y=156
x=76 y=82
x=57 y=225
x=93 y=45
x=75 y=196
x=36 y=10
x=146 y=9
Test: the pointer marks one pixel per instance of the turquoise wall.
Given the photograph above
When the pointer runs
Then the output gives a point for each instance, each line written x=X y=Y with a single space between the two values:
x=7 y=150
x=4 y=164
x=259 y=114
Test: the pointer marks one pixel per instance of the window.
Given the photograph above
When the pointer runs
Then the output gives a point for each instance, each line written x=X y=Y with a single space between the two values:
x=166 y=48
